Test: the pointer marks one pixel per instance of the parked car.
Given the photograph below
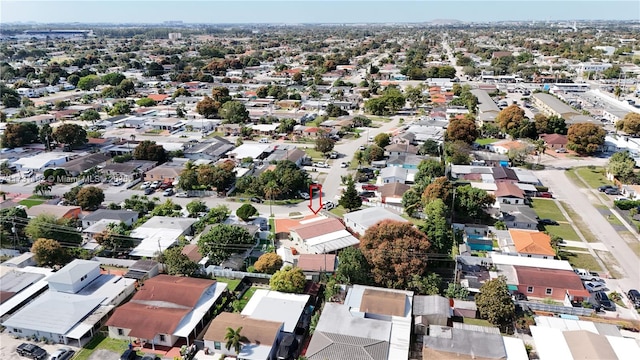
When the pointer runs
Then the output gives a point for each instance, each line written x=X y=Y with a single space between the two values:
x=518 y=296
x=603 y=188
x=256 y=200
x=369 y=187
x=593 y=286
x=334 y=155
x=167 y=192
x=612 y=191
x=362 y=147
x=182 y=194
x=304 y=195
x=68 y=355
x=344 y=164
x=634 y=297
x=129 y=354
x=588 y=275
x=155 y=184
x=545 y=194
x=149 y=191
x=288 y=347
x=561 y=150
x=547 y=222
x=321 y=165
x=604 y=301
x=367 y=194
x=60 y=354
x=31 y=351
x=328 y=205
x=150 y=357
x=165 y=186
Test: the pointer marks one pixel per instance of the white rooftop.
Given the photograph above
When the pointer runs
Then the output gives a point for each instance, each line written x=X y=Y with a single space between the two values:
x=500 y=259
x=371 y=216
x=276 y=306
x=205 y=303
x=40 y=160
x=158 y=234
x=249 y=150
x=72 y=272
x=331 y=242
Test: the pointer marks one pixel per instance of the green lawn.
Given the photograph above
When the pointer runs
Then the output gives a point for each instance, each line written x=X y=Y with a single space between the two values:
x=564 y=231
x=593 y=177
x=313 y=153
x=100 y=342
x=583 y=261
x=247 y=296
x=486 y=141
x=30 y=202
x=340 y=211
x=231 y=283
x=547 y=209
x=479 y=322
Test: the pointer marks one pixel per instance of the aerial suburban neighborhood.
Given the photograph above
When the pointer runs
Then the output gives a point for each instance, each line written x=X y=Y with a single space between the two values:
x=436 y=190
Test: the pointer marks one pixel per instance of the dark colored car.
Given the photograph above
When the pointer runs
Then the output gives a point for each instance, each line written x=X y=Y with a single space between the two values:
x=604 y=301
x=547 y=222
x=518 y=296
x=612 y=191
x=603 y=188
x=367 y=194
x=68 y=355
x=634 y=296
x=129 y=354
x=31 y=351
x=256 y=200
x=288 y=347
x=149 y=191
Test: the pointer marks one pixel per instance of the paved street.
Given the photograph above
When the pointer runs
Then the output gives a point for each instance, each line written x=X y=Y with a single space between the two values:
x=563 y=189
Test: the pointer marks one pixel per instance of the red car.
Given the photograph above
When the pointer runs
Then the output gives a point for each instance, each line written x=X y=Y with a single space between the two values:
x=545 y=194
x=369 y=187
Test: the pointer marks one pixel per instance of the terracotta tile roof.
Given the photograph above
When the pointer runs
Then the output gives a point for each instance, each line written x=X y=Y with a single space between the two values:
x=393 y=189
x=559 y=279
x=159 y=306
x=554 y=139
x=317 y=228
x=317 y=262
x=532 y=242
x=284 y=225
x=383 y=302
x=508 y=189
x=157 y=97
x=261 y=332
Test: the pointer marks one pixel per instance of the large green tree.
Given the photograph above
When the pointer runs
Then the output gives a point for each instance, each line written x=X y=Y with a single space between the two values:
x=394 y=250
x=436 y=227
x=19 y=134
x=630 y=124
x=353 y=267
x=89 y=82
x=223 y=241
x=550 y=125
x=510 y=119
x=48 y=252
x=149 y=150
x=246 y=212
x=495 y=304
x=621 y=165
x=268 y=263
x=178 y=263
x=585 y=138
x=288 y=280
x=324 y=145
x=234 y=112
x=470 y=202
x=350 y=199
x=70 y=134
x=48 y=227
x=90 y=197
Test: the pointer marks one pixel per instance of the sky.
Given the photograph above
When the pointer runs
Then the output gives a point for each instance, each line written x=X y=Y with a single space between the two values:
x=312 y=11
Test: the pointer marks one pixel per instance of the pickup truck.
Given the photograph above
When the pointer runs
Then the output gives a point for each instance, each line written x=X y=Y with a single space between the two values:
x=588 y=275
x=31 y=351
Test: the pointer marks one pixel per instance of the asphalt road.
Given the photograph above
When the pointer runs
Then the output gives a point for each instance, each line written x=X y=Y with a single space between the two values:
x=563 y=189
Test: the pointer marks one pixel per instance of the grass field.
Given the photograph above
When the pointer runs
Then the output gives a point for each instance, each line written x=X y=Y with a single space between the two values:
x=100 y=342
x=486 y=141
x=313 y=153
x=593 y=177
x=231 y=283
x=547 y=209
x=564 y=231
x=339 y=211
x=580 y=260
x=247 y=296
x=30 y=202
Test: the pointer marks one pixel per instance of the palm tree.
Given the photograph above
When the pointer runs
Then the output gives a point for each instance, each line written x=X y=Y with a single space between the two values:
x=617 y=92
x=234 y=339
x=271 y=190
x=42 y=188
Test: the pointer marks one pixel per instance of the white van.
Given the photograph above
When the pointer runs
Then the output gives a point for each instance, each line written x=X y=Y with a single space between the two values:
x=264 y=141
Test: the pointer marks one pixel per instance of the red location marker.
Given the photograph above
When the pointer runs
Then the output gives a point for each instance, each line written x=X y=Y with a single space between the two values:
x=318 y=189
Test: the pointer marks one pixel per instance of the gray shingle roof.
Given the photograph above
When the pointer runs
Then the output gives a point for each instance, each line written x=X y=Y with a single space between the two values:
x=336 y=346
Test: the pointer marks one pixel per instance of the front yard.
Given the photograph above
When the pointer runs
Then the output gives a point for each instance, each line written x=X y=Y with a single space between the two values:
x=101 y=342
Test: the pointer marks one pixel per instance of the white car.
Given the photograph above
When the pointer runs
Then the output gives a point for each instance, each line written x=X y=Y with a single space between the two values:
x=304 y=195
x=593 y=286
x=328 y=205
x=183 y=194
x=145 y=185
x=155 y=184
x=344 y=165
x=321 y=165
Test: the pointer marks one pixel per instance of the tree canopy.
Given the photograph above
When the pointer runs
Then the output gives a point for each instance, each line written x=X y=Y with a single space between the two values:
x=462 y=129
x=394 y=250
x=268 y=263
x=585 y=138
x=90 y=197
x=223 y=241
x=234 y=112
x=246 y=212
x=48 y=252
x=436 y=228
x=49 y=227
x=630 y=124
x=621 y=165
x=288 y=280
x=71 y=134
x=19 y=134
x=149 y=150
x=495 y=304
x=350 y=198
x=510 y=120
x=178 y=263
x=353 y=267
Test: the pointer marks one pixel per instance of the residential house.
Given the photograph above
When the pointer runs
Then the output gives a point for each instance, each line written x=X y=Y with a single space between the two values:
x=486 y=158
x=504 y=146
x=41 y=161
x=395 y=174
x=116 y=216
x=292 y=310
x=160 y=233
x=547 y=283
x=322 y=235
x=532 y=243
x=554 y=141
x=20 y=284
x=167 y=309
x=127 y=170
x=78 y=166
x=509 y=193
x=391 y=193
x=143 y=269
x=487 y=108
x=477 y=237
x=431 y=310
x=400 y=149
x=58 y=211
x=503 y=174
x=213 y=149
x=360 y=220
x=167 y=172
x=75 y=307
x=373 y=323
x=21 y=261
x=316 y=265
x=261 y=337
x=407 y=161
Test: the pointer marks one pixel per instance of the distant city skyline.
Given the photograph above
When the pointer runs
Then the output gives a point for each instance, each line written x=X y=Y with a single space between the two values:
x=313 y=11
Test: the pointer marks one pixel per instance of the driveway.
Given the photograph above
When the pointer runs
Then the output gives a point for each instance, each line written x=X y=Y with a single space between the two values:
x=8 y=347
x=576 y=198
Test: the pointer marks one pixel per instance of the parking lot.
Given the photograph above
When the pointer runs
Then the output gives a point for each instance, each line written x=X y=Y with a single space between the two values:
x=8 y=347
